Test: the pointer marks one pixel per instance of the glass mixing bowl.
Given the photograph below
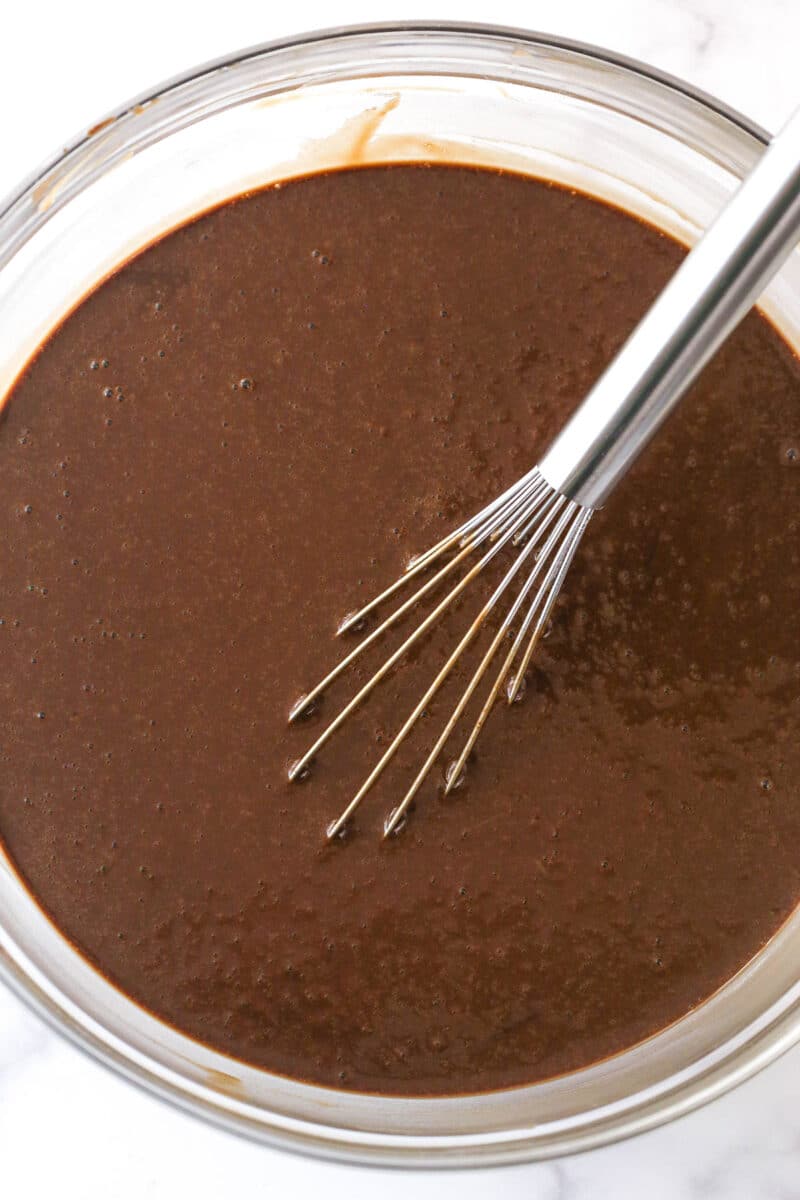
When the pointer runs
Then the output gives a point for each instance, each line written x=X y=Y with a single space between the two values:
x=571 y=113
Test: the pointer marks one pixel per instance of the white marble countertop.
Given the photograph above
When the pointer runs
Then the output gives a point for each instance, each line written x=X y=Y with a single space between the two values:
x=67 y=1126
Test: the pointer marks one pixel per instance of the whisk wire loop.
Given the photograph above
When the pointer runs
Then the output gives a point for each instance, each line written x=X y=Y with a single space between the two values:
x=547 y=528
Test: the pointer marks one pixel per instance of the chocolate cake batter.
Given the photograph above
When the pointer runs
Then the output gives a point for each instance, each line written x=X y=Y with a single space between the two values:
x=243 y=435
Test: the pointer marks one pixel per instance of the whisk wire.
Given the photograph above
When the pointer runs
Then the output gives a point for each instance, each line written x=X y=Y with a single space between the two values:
x=542 y=605
x=560 y=568
x=471 y=526
x=556 y=504
x=396 y=816
x=527 y=514
x=507 y=527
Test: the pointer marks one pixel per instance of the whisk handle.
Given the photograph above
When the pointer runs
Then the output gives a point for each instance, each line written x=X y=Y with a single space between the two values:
x=706 y=298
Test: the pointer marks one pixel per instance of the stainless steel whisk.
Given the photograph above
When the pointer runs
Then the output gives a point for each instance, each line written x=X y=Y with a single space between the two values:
x=546 y=512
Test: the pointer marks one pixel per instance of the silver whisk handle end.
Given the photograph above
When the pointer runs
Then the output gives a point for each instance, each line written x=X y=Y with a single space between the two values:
x=706 y=298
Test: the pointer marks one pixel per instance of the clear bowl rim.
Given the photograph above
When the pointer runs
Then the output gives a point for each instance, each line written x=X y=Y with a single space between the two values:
x=771 y=1036
x=333 y=32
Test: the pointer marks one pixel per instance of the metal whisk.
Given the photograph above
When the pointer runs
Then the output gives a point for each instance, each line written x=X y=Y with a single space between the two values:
x=546 y=512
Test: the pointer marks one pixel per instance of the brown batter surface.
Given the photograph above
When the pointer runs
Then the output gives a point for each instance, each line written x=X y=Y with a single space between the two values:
x=243 y=435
